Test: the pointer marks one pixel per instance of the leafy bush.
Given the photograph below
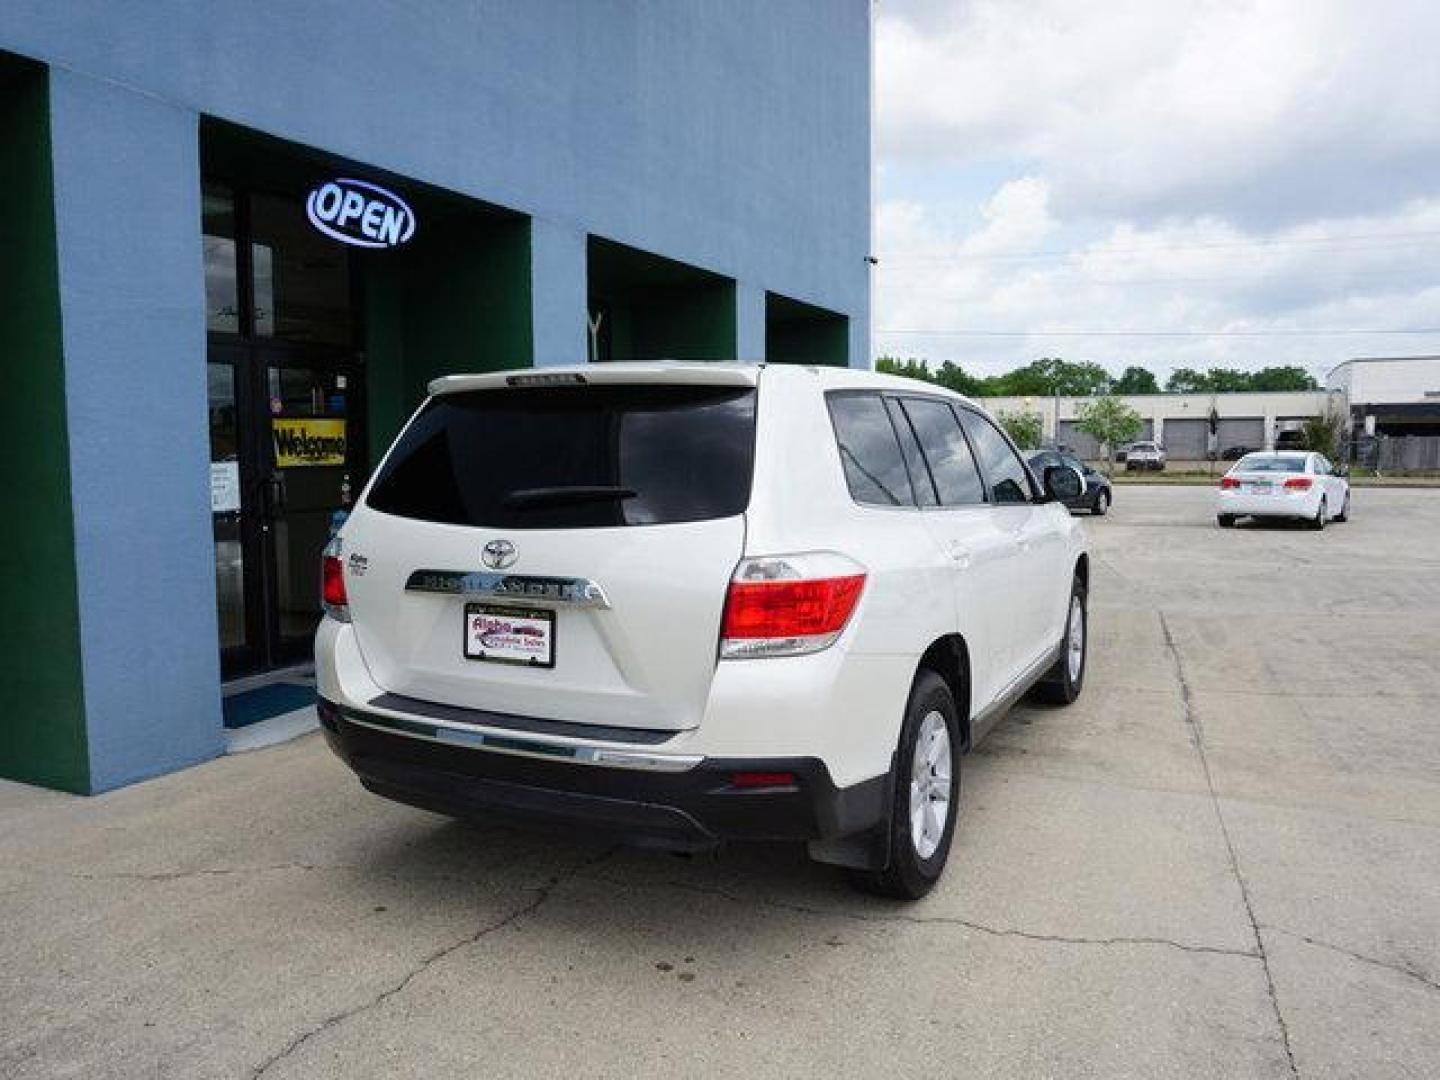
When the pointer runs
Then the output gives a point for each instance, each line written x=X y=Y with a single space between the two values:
x=1026 y=428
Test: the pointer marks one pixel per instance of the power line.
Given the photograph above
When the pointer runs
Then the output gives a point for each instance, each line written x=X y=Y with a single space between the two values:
x=1326 y=332
x=1258 y=277
x=1218 y=245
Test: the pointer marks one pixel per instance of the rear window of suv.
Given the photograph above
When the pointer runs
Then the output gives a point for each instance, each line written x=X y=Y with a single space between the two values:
x=574 y=457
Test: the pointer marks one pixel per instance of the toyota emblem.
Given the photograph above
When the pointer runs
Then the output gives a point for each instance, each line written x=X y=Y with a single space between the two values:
x=498 y=554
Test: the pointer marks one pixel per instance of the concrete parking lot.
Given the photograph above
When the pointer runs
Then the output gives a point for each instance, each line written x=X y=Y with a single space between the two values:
x=1224 y=861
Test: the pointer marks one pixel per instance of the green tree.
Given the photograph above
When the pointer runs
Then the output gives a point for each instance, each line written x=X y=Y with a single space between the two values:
x=1136 y=380
x=1026 y=428
x=954 y=377
x=1285 y=377
x=1322 y=434
x=1185 y=380
x=1110 y=422
x=1051 y=375
x=909 y=368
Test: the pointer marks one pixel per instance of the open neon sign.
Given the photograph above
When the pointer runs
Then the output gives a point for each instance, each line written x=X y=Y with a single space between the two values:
x=360 y=213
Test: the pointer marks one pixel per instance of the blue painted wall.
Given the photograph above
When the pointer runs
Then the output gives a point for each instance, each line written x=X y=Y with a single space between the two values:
x=732 y=134
x=127 y=224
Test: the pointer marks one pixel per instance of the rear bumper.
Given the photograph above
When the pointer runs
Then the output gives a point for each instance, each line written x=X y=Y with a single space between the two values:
x=692 y=808
x=1304 y=505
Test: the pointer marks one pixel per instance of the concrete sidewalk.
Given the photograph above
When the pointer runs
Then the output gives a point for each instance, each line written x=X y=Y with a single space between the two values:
x=1224 y=861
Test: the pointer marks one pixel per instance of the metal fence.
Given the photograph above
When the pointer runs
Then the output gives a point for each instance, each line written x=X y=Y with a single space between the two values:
x=1396 y=453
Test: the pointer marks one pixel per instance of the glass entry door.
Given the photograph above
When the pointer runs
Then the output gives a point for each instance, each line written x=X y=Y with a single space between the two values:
x=286 y=459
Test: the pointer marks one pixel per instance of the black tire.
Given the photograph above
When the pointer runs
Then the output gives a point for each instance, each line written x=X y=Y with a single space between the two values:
x=1225 y=521
x=1102 y=503
x=911 y=875
x=1344 y=514
x=1062 y=684
x=1321 y=516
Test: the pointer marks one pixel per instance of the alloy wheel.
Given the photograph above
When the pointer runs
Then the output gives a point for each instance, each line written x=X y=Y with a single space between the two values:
x=931 y=785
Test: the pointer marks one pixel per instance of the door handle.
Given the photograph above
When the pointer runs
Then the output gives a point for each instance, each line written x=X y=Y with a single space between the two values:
x=275 y=492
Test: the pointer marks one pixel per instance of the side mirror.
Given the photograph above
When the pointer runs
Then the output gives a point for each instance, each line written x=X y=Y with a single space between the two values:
x=1341 y=470
x=1062 y=483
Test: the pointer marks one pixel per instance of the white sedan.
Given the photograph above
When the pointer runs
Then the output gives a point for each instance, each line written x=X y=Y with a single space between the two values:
x=1284 y=484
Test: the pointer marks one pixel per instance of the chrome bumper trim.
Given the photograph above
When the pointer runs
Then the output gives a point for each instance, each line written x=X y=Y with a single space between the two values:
x=521 y=745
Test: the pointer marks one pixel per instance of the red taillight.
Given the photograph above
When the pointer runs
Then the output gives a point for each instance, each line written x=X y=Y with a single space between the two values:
x=1298 y=483
x=332 y=588
x=1228 y=482
x=762 y=779
x=772 y=609
x=789 y=605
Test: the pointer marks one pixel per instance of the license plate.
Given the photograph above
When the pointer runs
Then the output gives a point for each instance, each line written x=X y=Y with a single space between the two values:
x=1260 y=488
x=510 y=635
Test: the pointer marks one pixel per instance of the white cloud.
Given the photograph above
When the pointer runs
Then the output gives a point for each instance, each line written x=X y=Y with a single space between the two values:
x=1248 y=109
x=1195 y=275
x=1227 y=165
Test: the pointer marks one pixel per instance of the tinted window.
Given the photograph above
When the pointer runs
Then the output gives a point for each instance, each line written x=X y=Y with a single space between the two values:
x=951 y=463
x=1005 y=472
x=920 y=481
x=574 y=457
x=1270 y=463
x=874 y=469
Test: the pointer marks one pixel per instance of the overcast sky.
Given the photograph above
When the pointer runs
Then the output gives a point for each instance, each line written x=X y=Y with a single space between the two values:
x=1225 y=172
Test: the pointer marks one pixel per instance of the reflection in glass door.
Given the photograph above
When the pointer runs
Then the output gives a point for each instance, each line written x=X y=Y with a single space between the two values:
x=225 y=507
x=311 y=447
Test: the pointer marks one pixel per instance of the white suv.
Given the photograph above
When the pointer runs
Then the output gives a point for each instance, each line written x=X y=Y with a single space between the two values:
x=689 y=603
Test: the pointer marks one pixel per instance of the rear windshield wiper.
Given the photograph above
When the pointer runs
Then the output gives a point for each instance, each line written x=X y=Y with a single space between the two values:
x=525 y=498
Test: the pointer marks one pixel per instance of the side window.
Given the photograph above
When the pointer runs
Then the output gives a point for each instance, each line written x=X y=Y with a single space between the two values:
x=1322 y=464
x=874 y=470
x=951 y=463
x=920 y=479
x=1009 y=482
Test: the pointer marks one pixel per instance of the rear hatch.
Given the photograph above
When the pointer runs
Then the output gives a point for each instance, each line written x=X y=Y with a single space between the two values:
x=558 y=551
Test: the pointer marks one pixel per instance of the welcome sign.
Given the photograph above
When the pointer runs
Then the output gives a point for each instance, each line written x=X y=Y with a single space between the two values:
x=303 y=441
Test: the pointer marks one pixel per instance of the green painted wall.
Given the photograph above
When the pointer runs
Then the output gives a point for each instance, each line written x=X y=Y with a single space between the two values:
x=42 y=716
x=457 y=300
x=659 y=308
x=686 y=322
x=797 y=333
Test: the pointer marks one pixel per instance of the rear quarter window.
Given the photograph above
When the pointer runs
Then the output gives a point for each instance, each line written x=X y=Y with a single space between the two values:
x=869 y=450
x=574 y=457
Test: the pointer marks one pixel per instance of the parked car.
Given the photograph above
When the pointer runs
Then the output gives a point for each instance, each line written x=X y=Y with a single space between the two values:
x=1096 y=496
x=1235 y=453
x=1279 y=484
x=744 y=639
x=1145 y=456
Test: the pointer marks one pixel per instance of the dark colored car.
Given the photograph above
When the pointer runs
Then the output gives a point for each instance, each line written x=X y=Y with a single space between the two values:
x=1235 y=453
x=1096 y=497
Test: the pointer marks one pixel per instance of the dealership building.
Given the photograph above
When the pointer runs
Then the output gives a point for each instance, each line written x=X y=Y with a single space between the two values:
x=238 y=240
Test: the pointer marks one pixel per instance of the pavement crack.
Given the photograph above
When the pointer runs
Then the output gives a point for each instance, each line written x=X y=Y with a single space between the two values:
x=1197 y=739
x=542 y=894
x=206 y=871
x=1399 y=969
x=931 y=920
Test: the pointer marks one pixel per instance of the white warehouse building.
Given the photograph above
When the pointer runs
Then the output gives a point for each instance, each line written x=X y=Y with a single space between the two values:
x=1181 y=421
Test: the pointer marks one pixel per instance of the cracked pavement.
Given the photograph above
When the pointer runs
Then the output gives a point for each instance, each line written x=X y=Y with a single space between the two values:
x=1224 y=861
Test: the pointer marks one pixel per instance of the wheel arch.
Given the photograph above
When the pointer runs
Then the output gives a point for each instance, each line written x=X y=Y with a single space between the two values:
x=1082 y=570
x=949 y=657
